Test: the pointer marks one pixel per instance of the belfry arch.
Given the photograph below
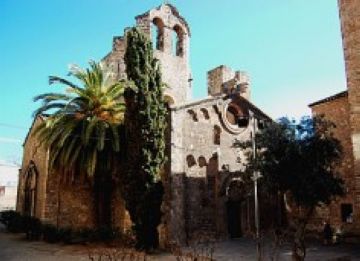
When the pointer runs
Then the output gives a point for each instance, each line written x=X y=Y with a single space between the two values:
x=178 y=41
x=157 y=34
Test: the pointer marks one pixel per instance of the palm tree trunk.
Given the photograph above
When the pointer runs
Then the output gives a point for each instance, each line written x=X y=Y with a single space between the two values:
x=102 y=200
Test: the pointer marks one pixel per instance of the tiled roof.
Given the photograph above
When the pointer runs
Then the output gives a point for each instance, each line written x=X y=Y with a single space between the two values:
x=330 y=98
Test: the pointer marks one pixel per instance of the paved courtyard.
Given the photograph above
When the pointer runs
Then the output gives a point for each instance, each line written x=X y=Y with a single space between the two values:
x=15 y=248
x=244 y=249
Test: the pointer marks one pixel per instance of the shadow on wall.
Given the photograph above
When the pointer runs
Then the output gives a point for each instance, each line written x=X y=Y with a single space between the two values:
x=217 y=204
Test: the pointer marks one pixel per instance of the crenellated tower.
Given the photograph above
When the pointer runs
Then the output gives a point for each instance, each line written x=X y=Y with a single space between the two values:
x=223 y=80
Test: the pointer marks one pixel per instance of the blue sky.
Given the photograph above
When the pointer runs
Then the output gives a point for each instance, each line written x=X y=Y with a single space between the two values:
x=292 y=49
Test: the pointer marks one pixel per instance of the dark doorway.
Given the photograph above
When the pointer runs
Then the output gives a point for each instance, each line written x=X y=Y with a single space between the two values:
x=234 y=218
x=30 y=186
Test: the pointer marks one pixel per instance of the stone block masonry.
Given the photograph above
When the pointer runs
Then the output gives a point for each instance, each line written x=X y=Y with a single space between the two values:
x=337 y=110
x=350 y=27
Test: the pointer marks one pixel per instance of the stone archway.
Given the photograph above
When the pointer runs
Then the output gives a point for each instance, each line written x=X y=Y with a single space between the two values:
x=30 y=189
x=235 y=193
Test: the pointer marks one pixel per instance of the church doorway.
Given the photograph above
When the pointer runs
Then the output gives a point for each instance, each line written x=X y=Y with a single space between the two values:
x=235 y=196
x=234 y=218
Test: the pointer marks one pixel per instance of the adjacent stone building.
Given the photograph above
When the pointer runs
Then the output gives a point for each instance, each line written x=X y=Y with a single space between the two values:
x=204 y=191
x=344 y=110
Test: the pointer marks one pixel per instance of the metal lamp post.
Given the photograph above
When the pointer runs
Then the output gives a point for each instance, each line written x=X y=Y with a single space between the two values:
x=256 y=175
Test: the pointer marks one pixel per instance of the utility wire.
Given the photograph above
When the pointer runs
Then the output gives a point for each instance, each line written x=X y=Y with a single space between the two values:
x=24 y=128
x=12 y=126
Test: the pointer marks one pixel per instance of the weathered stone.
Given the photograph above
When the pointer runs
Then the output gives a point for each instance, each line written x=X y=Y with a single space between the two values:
x=343 y=110
x=203 y=166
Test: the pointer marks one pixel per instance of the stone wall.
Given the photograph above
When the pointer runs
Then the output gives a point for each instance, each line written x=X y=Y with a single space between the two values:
x=337 y=110
x=174 y=60
x=204 y=164
x=34 y=154
x=114 y=61
x=59 y=202
x=350 y=26
x=69 y=204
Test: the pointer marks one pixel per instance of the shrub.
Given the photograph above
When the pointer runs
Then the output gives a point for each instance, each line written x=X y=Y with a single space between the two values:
x=106 y=234
x=86 y=234
x=13 y=221
x=65 y=235
x=6 y=216
x=35 y=230
x=50 y=233
x=33 y=227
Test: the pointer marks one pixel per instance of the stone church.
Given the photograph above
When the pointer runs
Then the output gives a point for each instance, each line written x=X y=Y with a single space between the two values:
x=203 y=184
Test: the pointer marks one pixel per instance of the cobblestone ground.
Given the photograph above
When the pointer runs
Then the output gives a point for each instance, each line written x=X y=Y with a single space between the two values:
x=15 y=248
x=245 y=249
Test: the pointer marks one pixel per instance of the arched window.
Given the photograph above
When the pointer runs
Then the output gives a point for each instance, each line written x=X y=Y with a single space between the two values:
x=205 y=113
x=190 y=160
x=232 y=114
x=202 y=161
x=193 y=115
x=217 y=134
x=178 y=41
x=30 y=182
x=212 y=170
x=157 y=34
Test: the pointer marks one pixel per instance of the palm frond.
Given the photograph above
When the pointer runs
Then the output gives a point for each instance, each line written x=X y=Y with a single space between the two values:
x=83 y=122
x=51 y=96
x=56 y=79
x=89 y=130
x=50 y=106
x=101 y=135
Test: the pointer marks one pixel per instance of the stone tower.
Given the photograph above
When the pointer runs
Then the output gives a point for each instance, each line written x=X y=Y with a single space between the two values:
x=350 y=27
x=170 y=34
x=223 y=80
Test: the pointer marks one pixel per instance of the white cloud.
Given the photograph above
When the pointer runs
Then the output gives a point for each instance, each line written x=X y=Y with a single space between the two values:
x=8 y=173
x=9 y=140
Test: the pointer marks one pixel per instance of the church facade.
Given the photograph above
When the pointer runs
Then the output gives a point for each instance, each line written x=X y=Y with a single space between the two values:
x=203 y=185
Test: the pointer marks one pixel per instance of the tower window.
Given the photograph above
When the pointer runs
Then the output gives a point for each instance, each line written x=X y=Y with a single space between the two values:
x=157 y=34
x=178 y=41
x=190 y=160
x=193 y=115
x=205 y=113
x=202 y=161
x=217 y=134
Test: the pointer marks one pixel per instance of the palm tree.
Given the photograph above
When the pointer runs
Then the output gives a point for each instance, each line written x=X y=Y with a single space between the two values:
x=81 y=130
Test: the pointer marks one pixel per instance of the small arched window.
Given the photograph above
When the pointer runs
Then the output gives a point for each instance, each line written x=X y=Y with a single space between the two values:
x=217 y=134
x=205 y=112
x=193 y=115
x=190 y=160
x=178 y=41
x=212 y=170
x=157 y=34
x=202 y=161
